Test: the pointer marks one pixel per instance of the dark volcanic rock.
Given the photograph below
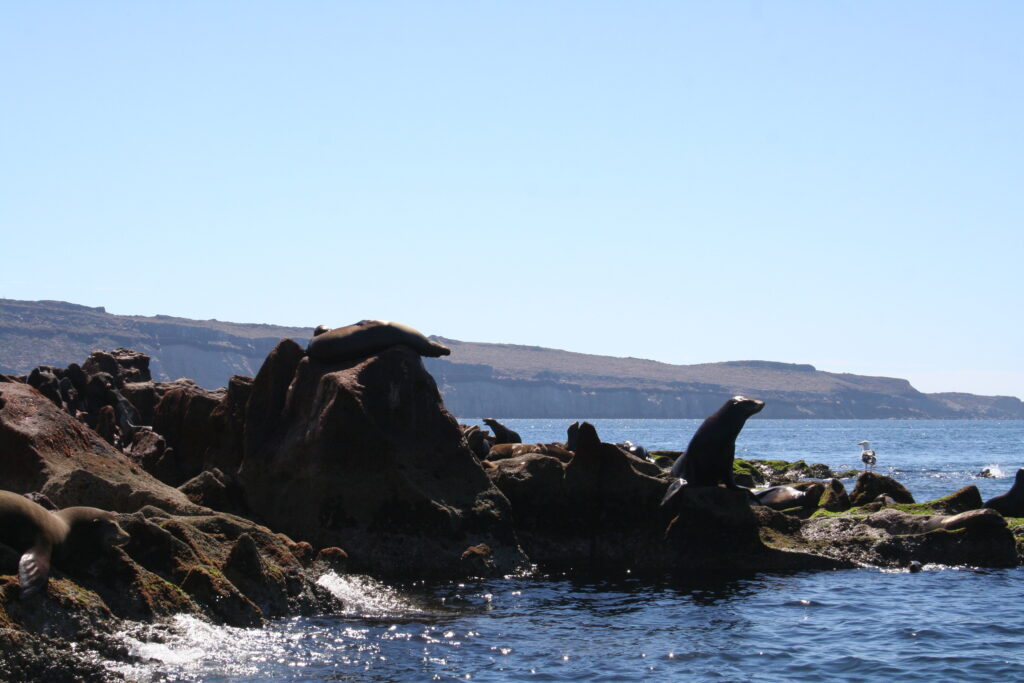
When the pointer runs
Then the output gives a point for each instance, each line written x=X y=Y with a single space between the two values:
x=44 y=449
x=892 y=537
x=871 y=485
x=124 y=365
x=961 y=500
x=601 y=512
x=361 y=454
x=183 y=418
x=216 y=490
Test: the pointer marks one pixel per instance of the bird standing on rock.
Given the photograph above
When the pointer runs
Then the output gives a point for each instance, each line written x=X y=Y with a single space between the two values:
x=867 y=456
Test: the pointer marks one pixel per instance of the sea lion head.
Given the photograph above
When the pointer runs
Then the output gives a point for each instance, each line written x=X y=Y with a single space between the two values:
x=92 y=526
x=748 y=406
x=320 y=329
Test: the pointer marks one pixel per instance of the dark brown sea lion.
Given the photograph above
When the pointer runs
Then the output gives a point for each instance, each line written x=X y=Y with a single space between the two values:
x=1011 y=503
x=502 y=434
x=708 y=458
x=367 y=337
x=43 y=536
x=780 y=497
x=572 y=436
x=512 y=450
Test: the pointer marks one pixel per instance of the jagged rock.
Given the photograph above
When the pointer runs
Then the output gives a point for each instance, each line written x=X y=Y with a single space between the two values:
x=264 y=409
x=216 y=490
x=183 y=418
x=45 y=380
x=361 y=454
x=229 y=424
x=144 y=396
x=870 y=485
x=123 y=365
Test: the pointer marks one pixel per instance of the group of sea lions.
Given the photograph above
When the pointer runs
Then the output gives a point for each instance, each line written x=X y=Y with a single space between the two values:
x=43 y=537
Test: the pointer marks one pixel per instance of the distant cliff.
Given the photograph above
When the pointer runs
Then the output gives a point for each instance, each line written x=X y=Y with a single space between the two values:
x=208 y=351
x=478 y=380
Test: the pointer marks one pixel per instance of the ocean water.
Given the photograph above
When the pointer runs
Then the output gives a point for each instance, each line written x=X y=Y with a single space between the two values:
x=945 y=623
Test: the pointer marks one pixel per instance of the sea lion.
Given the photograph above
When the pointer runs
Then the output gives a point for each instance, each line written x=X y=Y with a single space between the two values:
x=512 y=450
x=477 y=440
x=40 y=536
x=502 y=434
x=636 y=450
x=780 y=497
x=572 y=436
x=367 y=337
x=708 y=458
x=1011 y=503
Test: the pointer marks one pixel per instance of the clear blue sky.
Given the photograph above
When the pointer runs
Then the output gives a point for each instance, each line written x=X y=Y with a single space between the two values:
x=836 y=183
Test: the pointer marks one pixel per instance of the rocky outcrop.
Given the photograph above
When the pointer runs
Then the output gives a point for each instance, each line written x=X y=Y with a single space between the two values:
x=361 y=454
x=42 y=448
x=602 y=512
x=182 y=557
x=892 y=537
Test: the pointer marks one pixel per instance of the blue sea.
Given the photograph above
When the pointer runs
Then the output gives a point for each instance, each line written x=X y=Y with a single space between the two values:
x=945 y=623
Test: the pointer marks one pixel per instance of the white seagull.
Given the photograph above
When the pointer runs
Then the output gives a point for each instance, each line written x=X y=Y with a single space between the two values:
x=867 y=456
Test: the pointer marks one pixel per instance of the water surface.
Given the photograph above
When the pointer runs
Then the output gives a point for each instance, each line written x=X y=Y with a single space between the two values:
x=946 y=623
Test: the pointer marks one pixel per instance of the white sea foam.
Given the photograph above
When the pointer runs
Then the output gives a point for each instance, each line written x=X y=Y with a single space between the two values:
x=368 y=598
x=189 y=646
x=994 y=472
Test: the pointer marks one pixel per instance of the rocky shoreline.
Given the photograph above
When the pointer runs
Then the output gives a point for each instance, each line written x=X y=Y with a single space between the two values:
x=237 y=500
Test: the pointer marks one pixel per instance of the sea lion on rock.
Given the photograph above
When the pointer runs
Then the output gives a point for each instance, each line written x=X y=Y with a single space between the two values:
x=502 y=434
x=780 y=497
x=366 y=338
x=708 y=458
x=1011 y=503
x=40 y=535
x=572 y=436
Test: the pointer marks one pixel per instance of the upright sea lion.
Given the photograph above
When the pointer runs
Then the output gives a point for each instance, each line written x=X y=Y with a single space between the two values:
x=707 y=461
x=367 y=337
x=502 y=434
x=572 y=436
x=1011 y=503
x=42 y=536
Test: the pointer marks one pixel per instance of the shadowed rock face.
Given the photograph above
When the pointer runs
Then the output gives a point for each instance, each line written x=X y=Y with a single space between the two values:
x=361 y=454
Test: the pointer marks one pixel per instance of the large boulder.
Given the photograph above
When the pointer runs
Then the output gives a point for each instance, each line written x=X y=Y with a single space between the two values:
x=44 y=449
x=870 y=486
x=361 y=454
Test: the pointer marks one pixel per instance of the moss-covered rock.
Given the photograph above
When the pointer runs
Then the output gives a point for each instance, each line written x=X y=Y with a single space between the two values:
x=834 y=498
x=871 y=485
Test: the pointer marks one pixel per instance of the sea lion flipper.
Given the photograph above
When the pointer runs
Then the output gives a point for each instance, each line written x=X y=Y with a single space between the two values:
x=34 y=570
